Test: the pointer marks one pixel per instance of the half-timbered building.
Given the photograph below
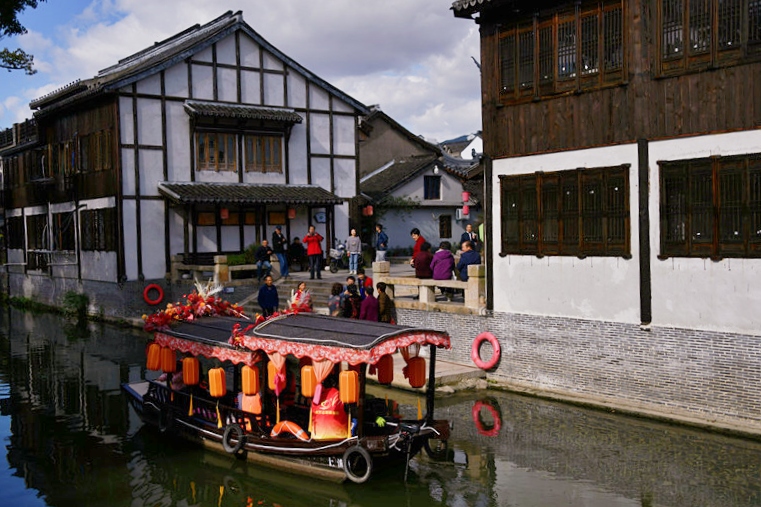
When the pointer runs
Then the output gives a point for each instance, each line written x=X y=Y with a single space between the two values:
x=199 y=144
x=624 y=223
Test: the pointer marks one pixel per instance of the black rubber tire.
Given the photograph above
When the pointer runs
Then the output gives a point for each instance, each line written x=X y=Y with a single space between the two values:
x=236 y=432
x=437 y=452
x=166 y=420
x=333 y=267
x=354 y=468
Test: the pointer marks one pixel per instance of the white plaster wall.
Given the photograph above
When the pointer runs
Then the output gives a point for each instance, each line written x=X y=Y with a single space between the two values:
x=250 y=87
x=205 y=55
x=345 y=179
x=342 y=221
x=297 y=154
x=151 y=171
x=226 y=50
x=271 y=62
x=249 y=52
x=255 y=177
x=128 y=171
x=207 y=239
x=297 y=90
x=398 y=225
x=150 y=85
x=343 y=135
x=451 y=190
x=178 y=144
x=230 y=238
x=697 y=293
x=129 y=225
x=176 y=233
x=126 y=127
x=321 y=173
x=149 y=122
x=318 y=98
x=319 y=130
x=599 y=288
x=227 y=84
x=476 y=144
x=203 y=82
x=99 y=266
x=274 y=90
x=176 y=80
x=153 y=234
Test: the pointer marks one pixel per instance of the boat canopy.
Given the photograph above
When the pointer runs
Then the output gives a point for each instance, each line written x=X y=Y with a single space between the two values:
x=318 y=337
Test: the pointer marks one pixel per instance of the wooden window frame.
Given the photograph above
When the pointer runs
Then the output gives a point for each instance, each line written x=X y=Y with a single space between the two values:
x=580 y=212
x=98 y=229
x=572 y=51
x=269 y=160
x=710 y=207
x=208 y=153
x=714 y=33
x=445 y=226
x=64 y=237
x=429 y=194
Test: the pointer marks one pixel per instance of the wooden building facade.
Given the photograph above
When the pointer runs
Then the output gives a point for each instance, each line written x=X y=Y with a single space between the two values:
x=199 y=144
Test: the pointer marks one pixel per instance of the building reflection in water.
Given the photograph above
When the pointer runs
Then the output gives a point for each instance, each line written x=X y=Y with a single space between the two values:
x=74 y=440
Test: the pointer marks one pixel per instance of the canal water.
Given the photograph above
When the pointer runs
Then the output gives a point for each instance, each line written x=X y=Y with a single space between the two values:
x=71 y=440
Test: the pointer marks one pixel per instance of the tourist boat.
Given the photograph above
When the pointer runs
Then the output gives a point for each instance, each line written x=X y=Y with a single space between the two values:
x=290 y=392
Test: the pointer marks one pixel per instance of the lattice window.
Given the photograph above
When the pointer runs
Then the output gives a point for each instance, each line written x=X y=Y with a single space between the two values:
x=700 y=26
x=590 y=45
x=526 y=60
x=263 y=153
x=567 y=50
x=579 y=212
x=507 y=58
x=730 y=23
x=613 y=41
x=673 y=29
x=215 y=151
x=98 y=231
x=711 y=207
x=445 y=226
x=546 y=55
x=63 y=231
x=754 y=21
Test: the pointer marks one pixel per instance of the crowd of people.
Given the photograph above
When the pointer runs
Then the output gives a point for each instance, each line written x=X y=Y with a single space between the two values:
x=358 y=299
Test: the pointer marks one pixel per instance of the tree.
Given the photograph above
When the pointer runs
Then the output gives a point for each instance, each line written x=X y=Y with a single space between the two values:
x=9 y=26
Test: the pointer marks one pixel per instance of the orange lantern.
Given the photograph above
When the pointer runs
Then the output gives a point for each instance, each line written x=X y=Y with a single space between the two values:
x=217 y=382
x=271 y=372
x=153 y=357
x=348 y=386
x=308 y=381
x=369 y=209
x=250 y=380
x=168 y=360
x=291 y=213
x=416 y=371
x=190 y=371
x=385 y=369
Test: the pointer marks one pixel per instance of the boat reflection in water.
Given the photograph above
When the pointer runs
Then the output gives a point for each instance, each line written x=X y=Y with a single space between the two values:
x=71 y=441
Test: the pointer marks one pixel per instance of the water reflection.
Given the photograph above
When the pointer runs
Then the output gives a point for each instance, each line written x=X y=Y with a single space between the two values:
x=72 y=441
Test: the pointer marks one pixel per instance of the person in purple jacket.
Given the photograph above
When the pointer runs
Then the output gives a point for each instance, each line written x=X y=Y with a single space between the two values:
x=442 y=266
x=370 y=308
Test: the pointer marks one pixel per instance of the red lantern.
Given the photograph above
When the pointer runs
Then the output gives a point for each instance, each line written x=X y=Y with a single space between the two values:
x=416 y=371
x=367 y=210
x=224 y=214
x=465 y=209
x=465 y=196
x=385 y=369
x=291 y=213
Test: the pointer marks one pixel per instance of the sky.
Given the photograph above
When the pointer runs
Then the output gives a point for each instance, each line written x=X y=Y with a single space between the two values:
x=413 y=58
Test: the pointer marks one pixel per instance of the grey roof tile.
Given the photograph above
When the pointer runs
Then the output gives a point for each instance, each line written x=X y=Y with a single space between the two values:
x=191 y=192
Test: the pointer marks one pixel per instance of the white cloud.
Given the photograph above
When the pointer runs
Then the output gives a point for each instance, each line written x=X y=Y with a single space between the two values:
x=413 y=57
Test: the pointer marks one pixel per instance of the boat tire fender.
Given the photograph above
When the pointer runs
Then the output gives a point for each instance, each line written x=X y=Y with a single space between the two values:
x=475 y=351
x=147 y=294
x=358 y=465
x=233 y=432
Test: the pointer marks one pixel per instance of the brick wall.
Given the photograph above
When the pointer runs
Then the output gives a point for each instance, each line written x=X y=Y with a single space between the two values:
x=703 y=377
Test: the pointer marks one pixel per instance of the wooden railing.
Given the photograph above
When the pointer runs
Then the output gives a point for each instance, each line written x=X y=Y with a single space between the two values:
x=415 y=293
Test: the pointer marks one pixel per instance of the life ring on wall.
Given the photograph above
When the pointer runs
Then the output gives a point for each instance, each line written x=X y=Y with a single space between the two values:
x=158 y=298
x=475 y=351
x=483 y=429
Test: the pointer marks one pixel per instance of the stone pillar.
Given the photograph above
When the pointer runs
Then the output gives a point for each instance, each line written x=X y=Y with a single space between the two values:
x=177 y=263
x=476 y=285
x=221 y=269
x=382 y=273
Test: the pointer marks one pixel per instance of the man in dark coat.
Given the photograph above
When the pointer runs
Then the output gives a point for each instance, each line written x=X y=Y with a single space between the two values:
x=267 y=298
x=468 y=257
x=262 y=256
x=279 y=245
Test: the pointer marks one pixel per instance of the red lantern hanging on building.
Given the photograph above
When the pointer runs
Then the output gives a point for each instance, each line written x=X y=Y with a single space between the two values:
x=465 y=196
x=465 y=210
x=291 y=213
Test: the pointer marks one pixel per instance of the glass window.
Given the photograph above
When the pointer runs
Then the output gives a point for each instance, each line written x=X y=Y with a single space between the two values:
x=263 y=153
x=215 y=151
x=432 y=187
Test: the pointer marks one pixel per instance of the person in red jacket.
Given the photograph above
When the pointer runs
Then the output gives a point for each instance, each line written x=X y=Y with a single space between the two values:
x=314 y=251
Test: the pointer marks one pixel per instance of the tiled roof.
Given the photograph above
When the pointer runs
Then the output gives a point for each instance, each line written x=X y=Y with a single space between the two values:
x=381 y=182
x=191 y=192
x=225 y=110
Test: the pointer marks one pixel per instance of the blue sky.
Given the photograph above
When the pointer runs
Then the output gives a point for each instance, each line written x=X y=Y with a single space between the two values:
x=411 y=57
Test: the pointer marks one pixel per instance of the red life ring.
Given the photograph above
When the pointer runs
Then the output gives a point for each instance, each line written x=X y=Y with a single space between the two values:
x=475 y=351
x=159 y=297
x=492 y=431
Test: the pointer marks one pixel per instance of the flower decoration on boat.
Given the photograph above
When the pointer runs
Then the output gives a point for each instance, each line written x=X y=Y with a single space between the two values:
x=199 y=303
x=237 y=337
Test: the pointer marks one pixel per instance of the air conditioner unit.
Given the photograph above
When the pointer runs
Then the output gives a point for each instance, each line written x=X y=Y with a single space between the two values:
x=459 y=215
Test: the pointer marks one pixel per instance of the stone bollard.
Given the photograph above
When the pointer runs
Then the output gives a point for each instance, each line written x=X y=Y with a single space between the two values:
x=381 y=273
x=221 y=269
x=476 y=285
x=177 y=263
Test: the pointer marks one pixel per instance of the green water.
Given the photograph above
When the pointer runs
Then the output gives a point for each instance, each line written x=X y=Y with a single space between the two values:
x=71 y=440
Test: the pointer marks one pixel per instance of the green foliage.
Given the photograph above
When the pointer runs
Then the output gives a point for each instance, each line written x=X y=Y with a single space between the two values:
x=75 y=305
x=237 y=259
x=10 y=26
x=31 y=305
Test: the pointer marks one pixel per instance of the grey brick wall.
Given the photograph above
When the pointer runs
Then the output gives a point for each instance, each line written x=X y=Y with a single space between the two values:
x=711 y=376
